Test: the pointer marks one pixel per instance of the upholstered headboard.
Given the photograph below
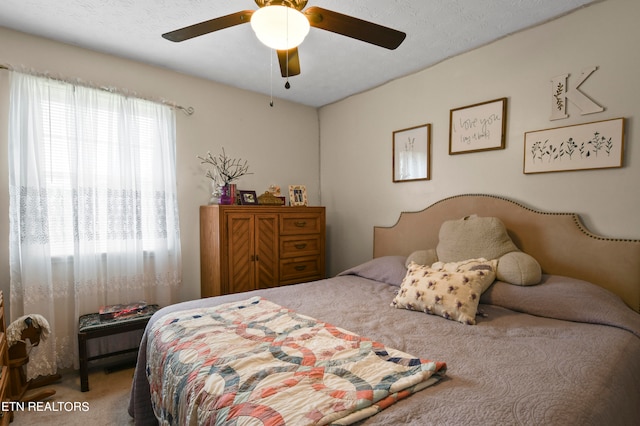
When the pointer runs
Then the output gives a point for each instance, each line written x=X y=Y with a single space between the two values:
x=558 y=241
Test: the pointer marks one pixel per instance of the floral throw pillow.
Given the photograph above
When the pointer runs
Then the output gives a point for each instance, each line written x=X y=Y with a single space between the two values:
x=450 y=291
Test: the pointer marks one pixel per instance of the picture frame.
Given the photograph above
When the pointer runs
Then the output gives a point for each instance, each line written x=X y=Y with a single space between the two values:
x=411 y=154
x=594 y=145
x=298 y=195
x=248 y=198
x=478 y=127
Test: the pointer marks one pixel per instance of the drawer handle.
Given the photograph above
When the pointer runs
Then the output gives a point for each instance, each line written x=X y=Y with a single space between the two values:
x=300 y=246
x=300 y=223
x=300 y=267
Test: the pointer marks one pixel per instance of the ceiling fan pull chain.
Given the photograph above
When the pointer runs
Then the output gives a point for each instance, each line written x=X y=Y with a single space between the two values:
x=287 y=85
x=271 y=79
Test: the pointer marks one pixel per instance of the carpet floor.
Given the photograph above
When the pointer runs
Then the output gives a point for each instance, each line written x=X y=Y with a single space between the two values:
x=105 y=404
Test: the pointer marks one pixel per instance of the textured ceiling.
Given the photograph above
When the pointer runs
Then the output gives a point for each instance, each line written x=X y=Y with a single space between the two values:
x=333 y=66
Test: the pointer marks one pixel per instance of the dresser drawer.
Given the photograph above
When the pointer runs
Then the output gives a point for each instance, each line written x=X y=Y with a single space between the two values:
x=299 y=245
x=295 y=269
x=300 y=223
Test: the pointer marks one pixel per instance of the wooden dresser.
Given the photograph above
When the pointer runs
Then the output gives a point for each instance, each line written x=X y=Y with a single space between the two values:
x=5 y=413
x=246 y=248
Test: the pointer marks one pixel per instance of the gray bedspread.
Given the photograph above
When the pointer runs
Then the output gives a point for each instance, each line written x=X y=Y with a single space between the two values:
x=564 y=352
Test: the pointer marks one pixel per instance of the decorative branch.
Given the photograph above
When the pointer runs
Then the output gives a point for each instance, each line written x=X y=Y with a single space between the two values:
x=227 y=169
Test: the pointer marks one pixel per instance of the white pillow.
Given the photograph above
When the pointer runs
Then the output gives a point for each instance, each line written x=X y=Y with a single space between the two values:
x=450 y=291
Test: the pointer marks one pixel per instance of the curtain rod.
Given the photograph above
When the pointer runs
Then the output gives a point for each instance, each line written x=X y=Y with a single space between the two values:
x=186 y=110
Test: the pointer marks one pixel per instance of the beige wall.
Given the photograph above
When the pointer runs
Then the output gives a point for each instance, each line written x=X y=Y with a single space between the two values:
x=356 y=133
x=240 y=121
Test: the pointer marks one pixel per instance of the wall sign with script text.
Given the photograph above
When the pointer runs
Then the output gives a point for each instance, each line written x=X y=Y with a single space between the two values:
x=479 y=127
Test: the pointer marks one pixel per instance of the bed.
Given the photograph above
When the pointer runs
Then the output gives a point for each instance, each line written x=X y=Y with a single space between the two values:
x=565 y=351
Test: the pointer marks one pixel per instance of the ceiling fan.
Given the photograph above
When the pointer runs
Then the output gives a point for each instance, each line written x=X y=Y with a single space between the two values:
x=293 y=9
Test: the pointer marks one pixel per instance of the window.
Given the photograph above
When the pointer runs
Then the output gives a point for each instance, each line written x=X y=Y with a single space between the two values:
x=116 y=213
x=92 y=169
x=93 y=207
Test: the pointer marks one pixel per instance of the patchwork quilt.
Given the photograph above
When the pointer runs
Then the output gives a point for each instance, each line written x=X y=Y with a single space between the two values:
x=255 y=362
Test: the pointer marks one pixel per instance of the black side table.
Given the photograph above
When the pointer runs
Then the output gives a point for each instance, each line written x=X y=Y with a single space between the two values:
x=90 y=326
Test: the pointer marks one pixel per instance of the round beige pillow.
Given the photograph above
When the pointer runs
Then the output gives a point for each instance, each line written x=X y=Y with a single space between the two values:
x=518 y=268
x=422 y=257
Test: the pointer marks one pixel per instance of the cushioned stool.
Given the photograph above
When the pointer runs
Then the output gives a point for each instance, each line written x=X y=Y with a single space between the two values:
x=90 y=326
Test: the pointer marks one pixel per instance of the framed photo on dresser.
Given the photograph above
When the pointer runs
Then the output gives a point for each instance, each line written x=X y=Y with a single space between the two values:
x=248 y=198
x=298 y=195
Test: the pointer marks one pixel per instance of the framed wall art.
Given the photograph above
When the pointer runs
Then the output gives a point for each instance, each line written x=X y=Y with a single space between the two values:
x=596 y=145
x=478 y=127
x=297 y=195
x=412 y=154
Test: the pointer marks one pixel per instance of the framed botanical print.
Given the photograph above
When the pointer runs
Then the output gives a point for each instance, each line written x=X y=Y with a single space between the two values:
x=596 y=145
x=411 y=154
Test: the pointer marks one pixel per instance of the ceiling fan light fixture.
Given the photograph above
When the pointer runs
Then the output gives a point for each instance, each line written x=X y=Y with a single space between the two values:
x=280 y=27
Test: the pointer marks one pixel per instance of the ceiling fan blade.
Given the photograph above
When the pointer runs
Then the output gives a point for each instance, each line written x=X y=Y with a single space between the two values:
x=355 y=28
x=293 y=61
x=210 y=26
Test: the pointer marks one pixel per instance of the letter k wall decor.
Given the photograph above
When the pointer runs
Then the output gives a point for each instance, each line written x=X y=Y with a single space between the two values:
x=561 y=93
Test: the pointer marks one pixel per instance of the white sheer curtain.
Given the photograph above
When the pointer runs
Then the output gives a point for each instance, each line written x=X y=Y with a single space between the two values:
x=93 y=207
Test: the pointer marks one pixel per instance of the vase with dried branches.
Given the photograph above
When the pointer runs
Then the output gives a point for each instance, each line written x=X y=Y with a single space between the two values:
x=225 y=171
